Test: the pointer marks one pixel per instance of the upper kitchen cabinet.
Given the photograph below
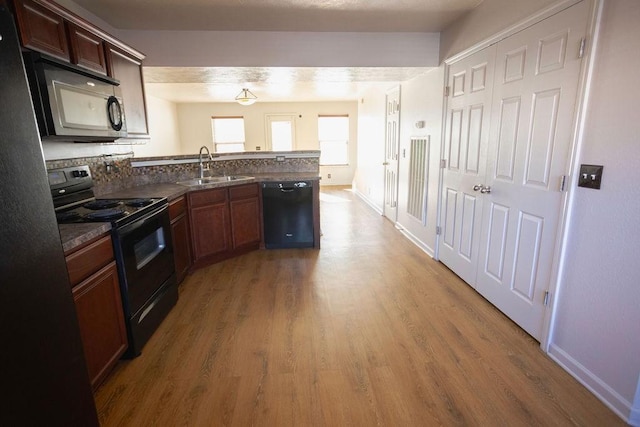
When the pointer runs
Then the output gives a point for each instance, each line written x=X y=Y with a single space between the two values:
x=41 y=29
x=87 y=49
x=127 y=68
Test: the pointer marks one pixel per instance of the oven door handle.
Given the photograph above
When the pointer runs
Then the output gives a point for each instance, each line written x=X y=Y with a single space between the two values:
x=141 y=221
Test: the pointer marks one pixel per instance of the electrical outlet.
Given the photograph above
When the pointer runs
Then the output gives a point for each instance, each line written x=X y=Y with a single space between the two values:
x=590 y=176
x=328 y=176
x=279 y=158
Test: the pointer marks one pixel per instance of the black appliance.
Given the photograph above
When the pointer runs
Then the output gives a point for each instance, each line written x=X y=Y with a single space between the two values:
x=44 y=375
x=73 y=104
x=287 y=214
x=142 y=247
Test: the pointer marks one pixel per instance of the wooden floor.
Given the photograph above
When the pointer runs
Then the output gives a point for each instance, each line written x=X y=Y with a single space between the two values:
x=366 y=331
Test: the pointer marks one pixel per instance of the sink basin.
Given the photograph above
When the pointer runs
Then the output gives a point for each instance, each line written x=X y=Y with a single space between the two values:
x=213 y=180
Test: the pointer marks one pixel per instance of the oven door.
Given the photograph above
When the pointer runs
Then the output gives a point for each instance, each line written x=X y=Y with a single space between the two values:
x=146 y=255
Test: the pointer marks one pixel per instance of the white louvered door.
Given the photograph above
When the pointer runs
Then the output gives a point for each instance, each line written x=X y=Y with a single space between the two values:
x=505 y=250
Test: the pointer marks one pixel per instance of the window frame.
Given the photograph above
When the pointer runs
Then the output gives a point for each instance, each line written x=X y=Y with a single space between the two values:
x=228 y=143
x=345 y=142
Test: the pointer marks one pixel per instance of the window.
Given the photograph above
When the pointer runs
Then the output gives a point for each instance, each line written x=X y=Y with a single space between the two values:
x=333 y=135
x=228 y=134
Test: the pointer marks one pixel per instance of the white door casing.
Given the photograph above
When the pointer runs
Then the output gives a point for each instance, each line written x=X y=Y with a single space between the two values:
x=281 y=132
x=534 y=99
x=391 y=158
x=465 y=149
x=531 y=122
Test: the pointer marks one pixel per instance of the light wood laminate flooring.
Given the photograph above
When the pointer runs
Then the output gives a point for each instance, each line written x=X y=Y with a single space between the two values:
x=367 y=331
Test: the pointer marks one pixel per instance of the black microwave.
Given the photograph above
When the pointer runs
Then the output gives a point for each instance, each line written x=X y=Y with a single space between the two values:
x=72 y=104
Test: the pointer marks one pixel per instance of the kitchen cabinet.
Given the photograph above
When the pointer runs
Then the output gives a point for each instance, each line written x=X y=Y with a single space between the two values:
x=87 y=49
x=244 y=207
x=96 y=292
x=180 y=237
x=209 y=217
x=41 y=29
x=128 y=70
x=225 y=222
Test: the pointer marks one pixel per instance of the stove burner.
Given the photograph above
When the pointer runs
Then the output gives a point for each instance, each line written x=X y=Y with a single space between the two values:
x=138 y=203
x=105 y=215
x=101 y=204
x=68 y=216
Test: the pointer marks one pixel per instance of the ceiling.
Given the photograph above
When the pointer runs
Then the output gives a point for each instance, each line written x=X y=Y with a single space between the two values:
x=282 y=84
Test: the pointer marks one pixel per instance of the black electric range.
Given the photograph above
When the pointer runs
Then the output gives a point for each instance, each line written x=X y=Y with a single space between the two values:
x=143 y=250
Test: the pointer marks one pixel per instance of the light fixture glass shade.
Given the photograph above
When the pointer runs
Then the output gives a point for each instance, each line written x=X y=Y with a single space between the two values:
x=245 y=97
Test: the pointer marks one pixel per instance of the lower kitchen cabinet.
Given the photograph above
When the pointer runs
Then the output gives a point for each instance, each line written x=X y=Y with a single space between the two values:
x=244 y=207
x=225 y=222
x=180 y=237
x=96 y=292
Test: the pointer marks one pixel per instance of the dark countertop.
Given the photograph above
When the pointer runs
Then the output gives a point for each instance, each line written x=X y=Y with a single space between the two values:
x=74 y=235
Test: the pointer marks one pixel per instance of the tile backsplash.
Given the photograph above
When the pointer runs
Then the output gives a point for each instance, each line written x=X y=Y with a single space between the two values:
x=115 y=172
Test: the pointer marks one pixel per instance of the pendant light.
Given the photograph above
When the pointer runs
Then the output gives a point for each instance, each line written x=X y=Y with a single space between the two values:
x=245 y=97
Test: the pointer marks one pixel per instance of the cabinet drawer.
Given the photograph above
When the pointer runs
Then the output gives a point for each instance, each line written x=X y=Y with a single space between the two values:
x=177 y=207
x=243 y=191
x=88 y=260
x=207 y=197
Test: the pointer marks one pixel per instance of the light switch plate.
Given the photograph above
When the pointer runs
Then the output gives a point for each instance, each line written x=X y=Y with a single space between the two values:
x=590 y=176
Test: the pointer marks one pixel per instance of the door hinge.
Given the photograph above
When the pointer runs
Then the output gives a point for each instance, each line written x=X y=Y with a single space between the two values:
x=563 y=183
x=443 y=163
x=438 y=230
x=583 y=46
x=546 y=298
x=446 y=90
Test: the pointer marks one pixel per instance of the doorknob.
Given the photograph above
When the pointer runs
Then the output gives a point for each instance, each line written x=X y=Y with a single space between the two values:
x=478 y=187
x=486 y=190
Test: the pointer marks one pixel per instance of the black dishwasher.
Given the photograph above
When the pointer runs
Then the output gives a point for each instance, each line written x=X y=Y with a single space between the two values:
x=288 y=214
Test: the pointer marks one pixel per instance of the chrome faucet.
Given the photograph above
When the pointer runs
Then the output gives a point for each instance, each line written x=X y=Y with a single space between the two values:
x=200 y=163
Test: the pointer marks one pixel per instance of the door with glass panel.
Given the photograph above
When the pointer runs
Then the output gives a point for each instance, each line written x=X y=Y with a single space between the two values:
x=281 y=132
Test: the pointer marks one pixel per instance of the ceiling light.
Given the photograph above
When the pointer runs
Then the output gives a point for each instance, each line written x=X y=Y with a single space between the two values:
x=245 y=97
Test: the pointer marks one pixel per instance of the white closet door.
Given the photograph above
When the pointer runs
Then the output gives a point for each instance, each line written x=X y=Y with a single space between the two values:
x=533 y=116
x=466 y=141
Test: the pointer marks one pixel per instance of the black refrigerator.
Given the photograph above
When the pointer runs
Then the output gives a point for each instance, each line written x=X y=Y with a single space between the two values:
x=43 y=375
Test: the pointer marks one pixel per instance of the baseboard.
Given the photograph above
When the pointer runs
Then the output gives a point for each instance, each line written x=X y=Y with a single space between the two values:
x=415 y=240
x=595 y=385
x=368 y=201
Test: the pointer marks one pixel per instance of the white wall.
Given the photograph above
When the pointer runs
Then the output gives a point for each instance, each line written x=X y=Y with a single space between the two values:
x=369 y=179
x=421 y=100
x=291 y=49
x=487 y=19
x=163 y=130
x=598 y=310
x=195 y=128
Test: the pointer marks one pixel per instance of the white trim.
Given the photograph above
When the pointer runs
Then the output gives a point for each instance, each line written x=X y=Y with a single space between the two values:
x=595 y=385
x=368 y=201
x=415 y=240
x=515 y=28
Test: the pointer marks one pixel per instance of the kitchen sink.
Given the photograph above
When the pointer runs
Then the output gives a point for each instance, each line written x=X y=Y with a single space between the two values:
x=214 y=180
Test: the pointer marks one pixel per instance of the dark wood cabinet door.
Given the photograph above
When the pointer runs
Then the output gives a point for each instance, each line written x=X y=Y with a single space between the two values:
x=245 y=221
x=209 y=230
x=87 y=49
x=181 y=246
x=128 y=70
x=99 y=309
x=41 y=29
